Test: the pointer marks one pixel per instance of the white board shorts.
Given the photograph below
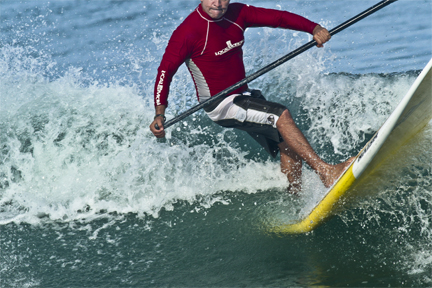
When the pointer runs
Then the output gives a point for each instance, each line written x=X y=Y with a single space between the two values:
x=252 y=113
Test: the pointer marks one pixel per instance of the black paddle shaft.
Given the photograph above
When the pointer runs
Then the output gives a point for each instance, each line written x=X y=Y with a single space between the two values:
x=278 y=62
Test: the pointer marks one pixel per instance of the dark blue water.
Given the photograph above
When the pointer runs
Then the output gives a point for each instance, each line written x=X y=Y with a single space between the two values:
x=88 y=197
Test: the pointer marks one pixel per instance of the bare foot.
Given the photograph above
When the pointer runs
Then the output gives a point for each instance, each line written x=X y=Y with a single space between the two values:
x=333 y=172
x=294 y=188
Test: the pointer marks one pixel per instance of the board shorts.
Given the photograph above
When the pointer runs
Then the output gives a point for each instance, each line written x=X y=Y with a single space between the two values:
x=252 y=113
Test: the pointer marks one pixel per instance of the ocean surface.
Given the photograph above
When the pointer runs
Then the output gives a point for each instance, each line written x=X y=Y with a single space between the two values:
x=89 y=198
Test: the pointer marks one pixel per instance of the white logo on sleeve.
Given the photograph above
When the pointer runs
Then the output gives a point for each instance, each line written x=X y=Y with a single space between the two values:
x=160 y=87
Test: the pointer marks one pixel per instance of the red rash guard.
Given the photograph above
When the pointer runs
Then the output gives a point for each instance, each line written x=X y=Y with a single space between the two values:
x=212 y=49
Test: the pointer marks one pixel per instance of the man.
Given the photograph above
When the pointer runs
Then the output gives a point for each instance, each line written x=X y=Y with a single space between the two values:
x=210 y=42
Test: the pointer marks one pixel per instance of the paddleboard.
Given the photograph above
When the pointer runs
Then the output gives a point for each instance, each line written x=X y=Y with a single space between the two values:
x=411 y=115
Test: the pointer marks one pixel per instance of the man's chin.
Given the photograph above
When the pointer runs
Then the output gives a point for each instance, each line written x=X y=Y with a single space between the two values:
x=216 y=14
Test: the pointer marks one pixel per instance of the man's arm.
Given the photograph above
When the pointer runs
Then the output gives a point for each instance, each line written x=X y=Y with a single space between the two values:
x=175 y=54
x=258 y=17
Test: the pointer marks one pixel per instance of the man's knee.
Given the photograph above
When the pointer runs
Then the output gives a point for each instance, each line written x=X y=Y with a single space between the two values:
x=286 y=113
x=285 y=118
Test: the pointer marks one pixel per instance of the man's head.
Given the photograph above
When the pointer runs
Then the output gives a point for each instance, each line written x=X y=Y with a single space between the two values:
x=215 y=8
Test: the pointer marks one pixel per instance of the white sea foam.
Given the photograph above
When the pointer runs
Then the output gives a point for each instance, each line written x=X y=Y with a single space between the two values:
x=70 y=151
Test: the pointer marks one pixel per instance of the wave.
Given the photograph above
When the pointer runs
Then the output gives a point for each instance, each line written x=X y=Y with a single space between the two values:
x=71 y=151
x=75 y=148
x=76 y=152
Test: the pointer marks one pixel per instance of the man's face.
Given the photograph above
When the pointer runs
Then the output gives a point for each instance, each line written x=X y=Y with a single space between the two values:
x=215 y=8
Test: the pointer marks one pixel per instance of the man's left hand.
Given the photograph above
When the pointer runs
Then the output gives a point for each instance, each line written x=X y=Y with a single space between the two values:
x=321 y=35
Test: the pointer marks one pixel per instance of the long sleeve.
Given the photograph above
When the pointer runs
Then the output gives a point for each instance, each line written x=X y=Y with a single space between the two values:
x=175 y=55
x=262 y=17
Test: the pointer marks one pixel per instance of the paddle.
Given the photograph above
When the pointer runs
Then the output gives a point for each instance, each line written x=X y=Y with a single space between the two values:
x=277 y=63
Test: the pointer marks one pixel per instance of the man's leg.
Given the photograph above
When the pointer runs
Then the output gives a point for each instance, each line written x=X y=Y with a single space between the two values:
x=299 y=145
x=291 y=165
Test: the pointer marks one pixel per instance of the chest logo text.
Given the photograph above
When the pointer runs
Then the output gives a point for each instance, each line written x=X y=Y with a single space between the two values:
x=229 y=47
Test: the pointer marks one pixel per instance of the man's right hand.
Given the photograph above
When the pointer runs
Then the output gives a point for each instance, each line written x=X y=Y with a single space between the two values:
x=159 y=121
